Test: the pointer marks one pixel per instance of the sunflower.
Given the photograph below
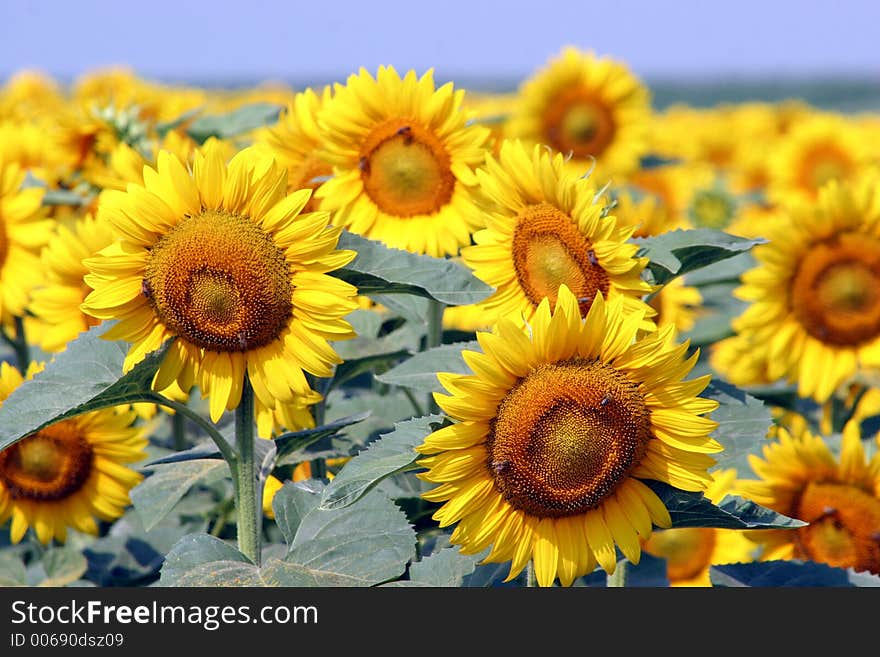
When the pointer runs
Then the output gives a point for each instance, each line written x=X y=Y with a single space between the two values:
x=838 y=496
x=295 y=142
x=403 y=156
x=30 y=94
x=555 y=431
x=823 y=148
x=546 y=228
x=57 y=302
x=222 y=260
x=690 y=551
x=814 y=297
x=591 y=108
x=69 y=473
x=23 y=232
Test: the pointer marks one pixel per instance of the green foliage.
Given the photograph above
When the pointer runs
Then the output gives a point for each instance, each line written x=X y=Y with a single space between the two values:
x=791 y=573
x=743 y=422
x=696 y=510
x=59 y=566
x=392 y=453
x=293 y=442
x=419 y=372
x=85 y=377
x=235 y=123
x=447 y=567
x=12 y=570
x=681 y=251
x=365 y=544
x=378 y=269
x=166 y=484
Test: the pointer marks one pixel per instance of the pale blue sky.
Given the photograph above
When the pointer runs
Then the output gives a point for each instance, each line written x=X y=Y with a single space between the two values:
x=254 y=40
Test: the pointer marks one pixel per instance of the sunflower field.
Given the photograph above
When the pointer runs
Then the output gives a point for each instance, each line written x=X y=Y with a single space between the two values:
x=393 y=332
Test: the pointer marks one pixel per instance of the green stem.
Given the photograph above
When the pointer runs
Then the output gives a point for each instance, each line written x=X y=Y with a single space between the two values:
x=531 y=580
x=244 y=472
x=434 y=339
x=18 y=344
x=178 y=432
x=618 y=579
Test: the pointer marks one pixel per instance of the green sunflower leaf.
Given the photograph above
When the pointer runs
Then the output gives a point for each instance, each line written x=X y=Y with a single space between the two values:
x=292 y=503
x=353 y=368
x=60 y=566
x=365 y=544
x=12 y=570
x=788 y=573
x=681 y=251
x=187 y=561
x=237 y=122
x=167 y=483
x=419 y=372
x=385 y=409
x=392 y=453
x=412 y=308
x=293 y=442
x=84 y=377
x=405 y=338
x=715 y=315
x=368 y=542
x=378 y=269
x=688 y=509
x=743 y=422
x=131 y=556
x=447 y=567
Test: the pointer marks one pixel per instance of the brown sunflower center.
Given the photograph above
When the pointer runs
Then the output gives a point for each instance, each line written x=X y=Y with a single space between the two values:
x=406 y=169
x=566 y=436
x=578 y=122
x=824 y=163
x=220 y=282
x=51 y=464
x=836 y=290
x=549 y=250
x=687 y=550
x=844 y=529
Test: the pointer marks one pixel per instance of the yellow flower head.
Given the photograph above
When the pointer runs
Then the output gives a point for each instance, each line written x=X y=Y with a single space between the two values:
x=816 y=151
x=23 y=232
x=838 y=496
x=545 y=228
x=403 y=156
x=295 y=142
x=815 y=295
x=222 y=260
x=68 y=474
x=591 y=108
x=57 y=302
x=553 y=433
